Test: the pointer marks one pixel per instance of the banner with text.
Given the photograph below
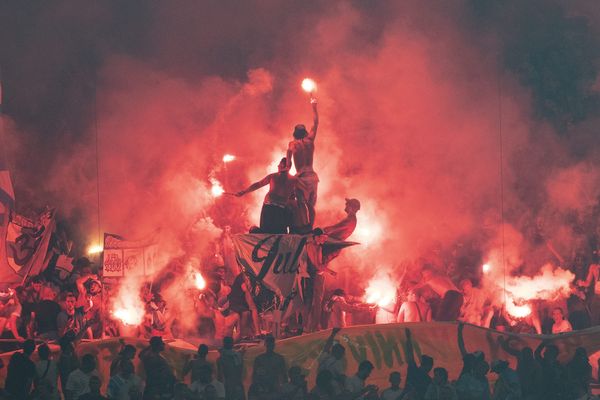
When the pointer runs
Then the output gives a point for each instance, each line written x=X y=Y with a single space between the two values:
x=278 y=261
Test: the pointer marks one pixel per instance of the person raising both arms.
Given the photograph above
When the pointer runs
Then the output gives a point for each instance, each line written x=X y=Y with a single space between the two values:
x=302 y=150
x=275 y=216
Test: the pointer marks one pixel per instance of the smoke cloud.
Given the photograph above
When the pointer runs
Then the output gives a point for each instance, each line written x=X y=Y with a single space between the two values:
x=415 y=102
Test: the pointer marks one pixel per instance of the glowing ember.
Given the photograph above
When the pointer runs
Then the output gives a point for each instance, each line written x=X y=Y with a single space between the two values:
x=517 y=311
x=228 y=158
x=308 y=85
x=380 y=291
x=199 y=281
x=129 y=316
x=217 y=189
x=486 y=268
x=95 y=249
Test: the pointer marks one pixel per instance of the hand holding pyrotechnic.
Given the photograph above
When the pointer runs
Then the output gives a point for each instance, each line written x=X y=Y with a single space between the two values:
x=240 y=193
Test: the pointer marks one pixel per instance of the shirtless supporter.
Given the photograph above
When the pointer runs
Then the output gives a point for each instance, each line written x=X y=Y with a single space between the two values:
x=414 y=309
x=452 y=299
x=302 y=150
x=275 y=216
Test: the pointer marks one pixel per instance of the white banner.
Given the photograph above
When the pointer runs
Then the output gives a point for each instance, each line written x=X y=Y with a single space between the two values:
x=278 y=261
x=125 y=257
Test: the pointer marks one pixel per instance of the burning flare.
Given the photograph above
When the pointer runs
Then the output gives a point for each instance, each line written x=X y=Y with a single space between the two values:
x=217 y=189
x=95 y=249
x=486 y=268
x=128 y=316
x=308 y=85
x=199 y=281
x=380 y=291
x=228 y=158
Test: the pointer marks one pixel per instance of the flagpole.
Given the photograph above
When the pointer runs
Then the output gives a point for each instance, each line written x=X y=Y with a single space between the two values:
x=100 y=241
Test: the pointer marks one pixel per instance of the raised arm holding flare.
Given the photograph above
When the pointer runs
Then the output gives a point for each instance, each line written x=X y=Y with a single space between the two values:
x=302 y=150
x=274 y=216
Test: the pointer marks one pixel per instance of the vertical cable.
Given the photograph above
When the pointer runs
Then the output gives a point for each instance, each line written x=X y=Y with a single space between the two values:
x=499 y=78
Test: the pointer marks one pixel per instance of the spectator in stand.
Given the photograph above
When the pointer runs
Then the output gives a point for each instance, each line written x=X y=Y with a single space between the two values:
x=89 y=300
x=338 y=307
x=560 y=325
x=127 y=353
x=70 y=319
x=417 y=377
x=528 y=370
x=355 y=386
x=578 y=371
x=470 y=385
x=197 y=363
x=21 y=372
x=394 y=392
x=78 y=382
x=440 y=388
x=507 y=386
x=242 y=303
x=414 y=309
x=205 y=379
x=475 y=366
x=125 y=385
x=332 y=359
x=324 y=387
x=45 y=316
x=159 y=374
x=47 y=372
x=261 y=388
x=67 y=362
x=442 y=285
x=229 y=370
x=94 y=393
x=10 y=312
x=182 y=392
x=273 y=364
x=553 y=375
x=296 y=388
x=29 y=301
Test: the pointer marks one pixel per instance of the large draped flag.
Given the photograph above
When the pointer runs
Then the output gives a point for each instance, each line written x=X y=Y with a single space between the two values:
x=23 y=243
x=7 y=202
x=278 y=261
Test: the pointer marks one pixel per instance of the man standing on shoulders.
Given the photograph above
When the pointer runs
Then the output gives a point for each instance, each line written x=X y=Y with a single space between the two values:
x=302 y=149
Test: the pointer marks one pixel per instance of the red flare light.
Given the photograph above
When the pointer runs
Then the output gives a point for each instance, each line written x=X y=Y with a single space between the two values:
x=308 y=85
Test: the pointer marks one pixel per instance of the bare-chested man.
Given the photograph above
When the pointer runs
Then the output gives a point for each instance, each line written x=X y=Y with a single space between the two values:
x=414 y=309
x=302 y=149
x=452 y=299
x=275 y=216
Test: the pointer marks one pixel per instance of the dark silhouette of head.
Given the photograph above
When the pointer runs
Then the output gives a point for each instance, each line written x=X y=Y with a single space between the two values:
x=300 y=132
x=364 y=369
x=28 y=347
x=88 y=363
x=426 y=363
x=270 y=343
x=338 y=351
x=228 y=342
x=44 y=351
x=202 y=351
x=440 y=376
x=156 y=344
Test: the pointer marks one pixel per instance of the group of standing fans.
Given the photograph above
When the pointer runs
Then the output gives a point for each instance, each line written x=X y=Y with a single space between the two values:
x=539 y=375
